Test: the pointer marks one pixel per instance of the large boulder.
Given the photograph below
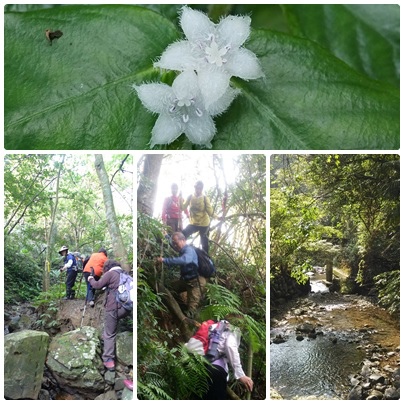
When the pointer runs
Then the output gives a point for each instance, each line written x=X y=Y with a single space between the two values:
x=24 y=359
x=124 y=348
x=74 y=359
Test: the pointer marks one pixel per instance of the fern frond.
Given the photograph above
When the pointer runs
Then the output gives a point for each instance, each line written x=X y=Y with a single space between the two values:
x=218 y=294
x=151 y=392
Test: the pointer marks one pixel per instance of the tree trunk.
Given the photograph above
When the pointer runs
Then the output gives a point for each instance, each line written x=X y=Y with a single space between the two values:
x=112 y=222
x=249 y=365
x=51 y=234
x=147 y=189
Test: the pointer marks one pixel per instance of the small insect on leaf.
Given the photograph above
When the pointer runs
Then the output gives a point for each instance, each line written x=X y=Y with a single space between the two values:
x=51 y=35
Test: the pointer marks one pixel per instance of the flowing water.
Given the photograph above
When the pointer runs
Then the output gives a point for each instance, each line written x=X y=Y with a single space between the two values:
x=320 y=367
x=313 y=367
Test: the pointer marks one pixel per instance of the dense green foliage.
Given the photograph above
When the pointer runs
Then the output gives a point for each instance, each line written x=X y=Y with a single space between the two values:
x=342 y=208
x=237 y=293
x=80 y=222
x=22 y=274
x=331 y=77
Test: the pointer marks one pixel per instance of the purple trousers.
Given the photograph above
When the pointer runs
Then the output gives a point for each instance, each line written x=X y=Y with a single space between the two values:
x=110 y=326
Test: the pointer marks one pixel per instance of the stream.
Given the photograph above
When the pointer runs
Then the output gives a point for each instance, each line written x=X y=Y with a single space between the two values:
x=329 y=346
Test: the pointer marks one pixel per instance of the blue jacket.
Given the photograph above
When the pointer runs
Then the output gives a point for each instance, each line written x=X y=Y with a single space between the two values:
x=68 y=257
x=188 y=261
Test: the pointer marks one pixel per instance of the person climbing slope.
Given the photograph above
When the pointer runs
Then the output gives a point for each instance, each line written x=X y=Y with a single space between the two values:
x=221 y=351
x=201 y=211
x=96 y=261
x=113 y=310
x=172 y=212
x=190 y=281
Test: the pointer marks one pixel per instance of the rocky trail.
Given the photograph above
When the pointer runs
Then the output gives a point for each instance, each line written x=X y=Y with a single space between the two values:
x=333 y=346
x=56 y=354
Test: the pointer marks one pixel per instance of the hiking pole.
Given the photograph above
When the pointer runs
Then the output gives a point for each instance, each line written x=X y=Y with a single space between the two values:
x=85 y=302
x=59 y=284
x=84 y=312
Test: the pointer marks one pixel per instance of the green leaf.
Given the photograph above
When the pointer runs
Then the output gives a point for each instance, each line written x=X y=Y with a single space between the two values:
x=309 y=99
x=76 y=94
x=365 y=36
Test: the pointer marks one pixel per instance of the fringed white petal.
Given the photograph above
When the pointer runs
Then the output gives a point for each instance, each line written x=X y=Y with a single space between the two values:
x=233 y=30
x=213 y=83
x=201 y=131
x=195 y=24
x=155 y=97
x=185 y=86
x=165 y=130
x=177 y=56
x=244 y=64
x=221 y=105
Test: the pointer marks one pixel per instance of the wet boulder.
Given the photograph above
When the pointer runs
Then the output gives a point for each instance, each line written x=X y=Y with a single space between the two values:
x=306 y=328
x=376 y=378
x=375 y=395
x=392 y=393
x=279 y=339
x=356 y=393
x=74 y=359
x=124 y=348
x=24 y=359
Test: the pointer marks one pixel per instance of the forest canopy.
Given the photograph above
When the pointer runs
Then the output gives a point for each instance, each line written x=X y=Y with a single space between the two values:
x=343 y=208
x=53 y=200
x=236 y=188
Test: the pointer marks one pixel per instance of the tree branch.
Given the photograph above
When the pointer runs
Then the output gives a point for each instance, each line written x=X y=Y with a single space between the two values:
x=119 y=168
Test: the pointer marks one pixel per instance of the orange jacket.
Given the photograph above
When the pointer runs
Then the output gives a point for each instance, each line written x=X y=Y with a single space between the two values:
x=96 y=261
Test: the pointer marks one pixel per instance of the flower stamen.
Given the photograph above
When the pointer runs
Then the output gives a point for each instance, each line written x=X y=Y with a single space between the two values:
x=214 y=53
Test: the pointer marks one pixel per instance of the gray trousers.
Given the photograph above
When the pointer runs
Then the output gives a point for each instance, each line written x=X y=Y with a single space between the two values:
x=110 y=326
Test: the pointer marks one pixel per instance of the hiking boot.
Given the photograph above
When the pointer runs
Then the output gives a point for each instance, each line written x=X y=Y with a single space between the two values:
x=109 y=365
x=128 y=384
x=91 y=304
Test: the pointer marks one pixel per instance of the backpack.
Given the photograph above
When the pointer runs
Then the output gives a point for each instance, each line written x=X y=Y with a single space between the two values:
x=125 y=294
x=206 y=267
x=172 y=207
x=206 y=339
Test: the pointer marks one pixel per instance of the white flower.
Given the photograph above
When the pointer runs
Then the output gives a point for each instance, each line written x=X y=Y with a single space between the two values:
x=181 y=109
x=214 y=51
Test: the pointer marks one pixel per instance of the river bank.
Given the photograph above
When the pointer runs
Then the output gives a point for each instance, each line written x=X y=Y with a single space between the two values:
x=333 y=346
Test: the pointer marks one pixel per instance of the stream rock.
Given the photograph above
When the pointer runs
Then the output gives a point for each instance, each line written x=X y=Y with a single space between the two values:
x=74 y=359
x=373 y=385
x=24 y=359
x=306 y=328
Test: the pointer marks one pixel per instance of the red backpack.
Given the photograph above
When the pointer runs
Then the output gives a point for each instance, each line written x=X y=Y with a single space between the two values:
x=205 y=341
x=203 y=334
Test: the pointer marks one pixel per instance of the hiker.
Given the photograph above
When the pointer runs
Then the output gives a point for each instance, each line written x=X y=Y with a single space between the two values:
x=96 y=261
x=200 y=211
x=190 y=281
x=70 y=266
x=113 y=310
x=226 y=352
x=172 y=212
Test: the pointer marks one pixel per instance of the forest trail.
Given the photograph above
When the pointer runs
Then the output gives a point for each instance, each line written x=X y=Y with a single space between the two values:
x=350 y=333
